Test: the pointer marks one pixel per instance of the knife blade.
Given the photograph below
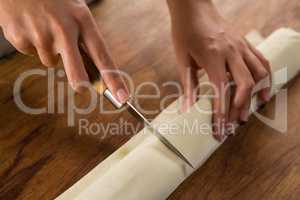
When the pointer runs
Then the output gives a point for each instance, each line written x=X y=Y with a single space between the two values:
x=99 y=85
x=156 y=132
x=137 y=114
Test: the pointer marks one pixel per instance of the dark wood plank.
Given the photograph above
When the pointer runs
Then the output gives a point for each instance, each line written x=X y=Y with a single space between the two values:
x=40 y=156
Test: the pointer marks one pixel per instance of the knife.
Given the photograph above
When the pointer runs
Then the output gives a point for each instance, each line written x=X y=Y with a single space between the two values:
x=99 y=85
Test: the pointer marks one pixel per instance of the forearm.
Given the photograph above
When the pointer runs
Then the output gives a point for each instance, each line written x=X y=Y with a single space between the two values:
x=191 y=9
x=175 y=5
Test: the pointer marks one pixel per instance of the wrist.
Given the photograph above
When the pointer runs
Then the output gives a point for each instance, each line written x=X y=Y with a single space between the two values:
x=184 y=4
x=184 y=8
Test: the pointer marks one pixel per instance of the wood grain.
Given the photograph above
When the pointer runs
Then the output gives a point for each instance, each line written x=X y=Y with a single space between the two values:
x=40 y=156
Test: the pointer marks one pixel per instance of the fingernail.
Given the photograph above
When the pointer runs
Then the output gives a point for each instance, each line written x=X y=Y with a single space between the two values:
x=184 y=106
x=74 y=85
x=268 y=97
x=245 y=115
x=262 y=106
x=122 y=95
x=229 y=134
x=242 y=123
x=230 y=128
x=77 y=87
x=218 y=137
x=182 y=109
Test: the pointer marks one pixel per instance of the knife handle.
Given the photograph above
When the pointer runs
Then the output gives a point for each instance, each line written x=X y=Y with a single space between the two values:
x=96 y=80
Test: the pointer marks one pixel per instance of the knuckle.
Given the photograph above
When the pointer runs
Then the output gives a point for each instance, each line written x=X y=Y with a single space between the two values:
x=41 y=40
x=263 y=59
x=14 y=37
x=241 y=44
x=247 y=86
x=46 y=63
x=82 y=13
x=66 y=36
x=238 y=103
x=266 y=62
x=67 y=30
x=20 y=42
x=230 y=46
x=57 y=23
x=262 y=74
x=49 y=60
x=219 y=116
x=61 y=26
x=39 y=43
x=214 y=49
x=251 y=84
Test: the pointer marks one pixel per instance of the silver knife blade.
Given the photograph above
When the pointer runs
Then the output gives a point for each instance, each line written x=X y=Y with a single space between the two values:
x=95 y=76
x=156 y=132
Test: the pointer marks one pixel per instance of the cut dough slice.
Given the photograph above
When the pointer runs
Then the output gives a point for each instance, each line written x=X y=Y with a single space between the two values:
x=144 y=168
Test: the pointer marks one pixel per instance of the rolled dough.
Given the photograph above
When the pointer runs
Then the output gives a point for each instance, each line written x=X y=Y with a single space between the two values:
x=144 y=168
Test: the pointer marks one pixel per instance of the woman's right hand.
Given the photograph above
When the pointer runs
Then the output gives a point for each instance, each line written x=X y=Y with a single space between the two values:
x=52 y=28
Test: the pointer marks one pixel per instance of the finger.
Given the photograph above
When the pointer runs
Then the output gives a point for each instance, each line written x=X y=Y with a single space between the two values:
x=233 y=114
x=260 y=74
x=73 y=64
x=241 y=113
x=188 y=72
x=221 y=101
x=20 y=41
x=244 y=85
x=43 y=42
x=220 y=110
x=244 y=116
x=190 y=87
x=47 y=57
x=265 y=94
x=94 y=43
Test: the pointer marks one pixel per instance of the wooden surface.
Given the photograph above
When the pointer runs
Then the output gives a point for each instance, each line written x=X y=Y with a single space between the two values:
x=40 y=156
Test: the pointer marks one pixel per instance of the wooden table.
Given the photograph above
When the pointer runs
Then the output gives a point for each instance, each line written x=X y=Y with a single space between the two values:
x=40 y=156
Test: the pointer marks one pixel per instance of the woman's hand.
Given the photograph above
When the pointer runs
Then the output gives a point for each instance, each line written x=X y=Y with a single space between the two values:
x=203 y=39
x=49 y=28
